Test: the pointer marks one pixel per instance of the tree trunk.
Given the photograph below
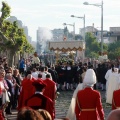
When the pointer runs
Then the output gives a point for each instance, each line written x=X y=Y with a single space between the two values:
x=11 y=58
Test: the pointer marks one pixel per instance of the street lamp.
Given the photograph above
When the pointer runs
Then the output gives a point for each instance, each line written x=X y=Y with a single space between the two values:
x=101 y=6
x=83 y=22
x=73 y=28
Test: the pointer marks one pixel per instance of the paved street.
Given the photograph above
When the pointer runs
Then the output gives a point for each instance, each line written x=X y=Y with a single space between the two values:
x=62 y=105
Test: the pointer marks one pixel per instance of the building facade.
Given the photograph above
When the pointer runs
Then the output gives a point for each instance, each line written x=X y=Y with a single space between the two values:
x=58 y=34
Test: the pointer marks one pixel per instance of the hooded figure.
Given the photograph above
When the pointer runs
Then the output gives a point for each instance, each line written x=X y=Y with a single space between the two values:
x=40 y=101
x=27 y=89
x=112 y=85
x=88 y=101
x=90 y=78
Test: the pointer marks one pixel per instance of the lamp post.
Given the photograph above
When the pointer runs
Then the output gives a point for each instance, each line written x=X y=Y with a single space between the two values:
x=101 y=6
x=83 y=23
x=73 y=28
x=83 y=52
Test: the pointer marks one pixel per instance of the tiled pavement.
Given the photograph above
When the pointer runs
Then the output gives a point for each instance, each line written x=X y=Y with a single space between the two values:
x=62 y=105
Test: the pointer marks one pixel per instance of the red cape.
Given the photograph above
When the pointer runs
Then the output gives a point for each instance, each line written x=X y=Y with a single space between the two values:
x=116 y=99
x=27 y=91
x=50 y=90
x=39 y=101
x=1 y=115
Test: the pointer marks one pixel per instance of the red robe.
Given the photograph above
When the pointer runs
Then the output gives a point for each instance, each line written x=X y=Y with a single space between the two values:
x=1 y=115
x=50 y=89
x=89 y=99
x=116 y=99
x=27 y=91
x=39 y=101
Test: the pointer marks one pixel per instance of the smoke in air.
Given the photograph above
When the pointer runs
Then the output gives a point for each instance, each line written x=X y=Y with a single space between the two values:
x=44 y=35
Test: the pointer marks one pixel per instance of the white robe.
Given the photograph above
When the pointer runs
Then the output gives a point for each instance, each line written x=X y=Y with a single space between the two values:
x=112 y=84
x=35 y=74
x=71 y=110
x=109 y=72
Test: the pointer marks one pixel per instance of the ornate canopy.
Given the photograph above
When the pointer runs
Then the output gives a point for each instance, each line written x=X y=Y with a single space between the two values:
x=65 y=46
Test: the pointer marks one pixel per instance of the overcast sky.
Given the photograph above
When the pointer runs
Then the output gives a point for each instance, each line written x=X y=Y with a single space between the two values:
x=53 y=13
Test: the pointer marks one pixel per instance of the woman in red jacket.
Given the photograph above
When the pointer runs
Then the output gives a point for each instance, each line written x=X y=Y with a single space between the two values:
x=88 y=101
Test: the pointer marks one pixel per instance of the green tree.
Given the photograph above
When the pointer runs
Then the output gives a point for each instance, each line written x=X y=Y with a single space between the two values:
x=78 y=37
x=113 y=46
x=93 y=47
x=114 y=50
x=5 y=12
x=14 y=39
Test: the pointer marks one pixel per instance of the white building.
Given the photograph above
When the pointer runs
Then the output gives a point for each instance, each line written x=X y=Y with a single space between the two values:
x=58 y=34
x=96 y=33
x=114 y=34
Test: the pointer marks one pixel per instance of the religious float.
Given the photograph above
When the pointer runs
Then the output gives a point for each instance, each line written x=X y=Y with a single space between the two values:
x=65 y=51
x=103 y=57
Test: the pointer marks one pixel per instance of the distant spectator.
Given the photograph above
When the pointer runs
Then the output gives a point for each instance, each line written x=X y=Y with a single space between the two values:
x=53 y=73
x=42 y=72
x=9 y=70
x=21 y=66
x=18 y=79
x=46 y=72
x=40 y=77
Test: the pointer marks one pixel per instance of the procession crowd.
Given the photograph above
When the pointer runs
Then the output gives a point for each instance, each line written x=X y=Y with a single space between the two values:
x=31 y=88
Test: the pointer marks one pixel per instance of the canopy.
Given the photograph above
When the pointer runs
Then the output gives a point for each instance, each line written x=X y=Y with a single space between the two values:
x=65 y=46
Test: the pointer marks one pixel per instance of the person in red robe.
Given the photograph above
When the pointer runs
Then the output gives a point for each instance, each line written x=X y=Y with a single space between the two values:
x=88 y=101
x=116 y=99
x=40 y=101
x=27 y=89
x=50 y=89
x=1 y=115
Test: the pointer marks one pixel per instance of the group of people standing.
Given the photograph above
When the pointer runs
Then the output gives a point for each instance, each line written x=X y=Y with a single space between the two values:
x=86 y=101
x=37 y=86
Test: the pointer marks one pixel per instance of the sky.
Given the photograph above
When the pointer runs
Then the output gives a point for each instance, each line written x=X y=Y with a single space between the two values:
x=53 y=13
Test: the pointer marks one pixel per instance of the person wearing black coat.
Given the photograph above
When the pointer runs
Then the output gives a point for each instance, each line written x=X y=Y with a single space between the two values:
x=18 y=79
x=11 y=84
